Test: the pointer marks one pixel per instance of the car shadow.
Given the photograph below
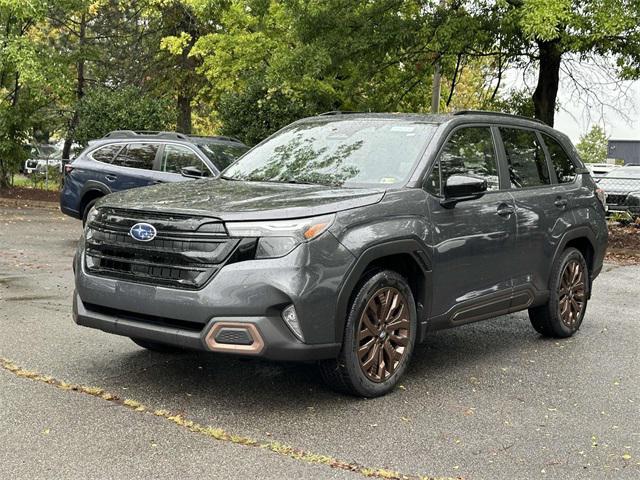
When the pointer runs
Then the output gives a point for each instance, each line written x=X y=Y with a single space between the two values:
x=243 y=385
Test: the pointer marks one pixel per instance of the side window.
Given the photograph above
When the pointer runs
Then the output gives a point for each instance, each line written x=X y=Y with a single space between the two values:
x=176 y=157
x=105 y=154
x=525 y=158
x=469 y=151
x=562 y=164
x=137 y=155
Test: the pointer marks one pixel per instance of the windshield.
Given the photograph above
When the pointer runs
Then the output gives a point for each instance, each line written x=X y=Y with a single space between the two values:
x=354 y=151
x=49 y=151
x=222 y=155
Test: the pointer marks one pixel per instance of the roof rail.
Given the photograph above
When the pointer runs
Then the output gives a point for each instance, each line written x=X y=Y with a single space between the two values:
x=217 y=137
x=337 y=112
x=497 y=114
x=145 y=133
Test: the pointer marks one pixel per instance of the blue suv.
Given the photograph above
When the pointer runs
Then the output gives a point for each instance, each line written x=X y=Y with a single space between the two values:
x=126 y=159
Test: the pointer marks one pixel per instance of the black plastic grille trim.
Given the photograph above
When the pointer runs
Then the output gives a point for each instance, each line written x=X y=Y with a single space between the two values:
x=179 y=256
x=144 y=318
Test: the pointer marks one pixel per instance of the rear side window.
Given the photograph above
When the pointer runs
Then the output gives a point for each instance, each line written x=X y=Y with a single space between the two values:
x=525 y=158
x=562 y=164
x=105 y=154
x=137 y=155
x=469 y=151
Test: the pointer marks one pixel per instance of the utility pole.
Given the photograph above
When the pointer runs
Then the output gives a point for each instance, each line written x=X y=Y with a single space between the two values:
x=437 y=79
x=435 y=94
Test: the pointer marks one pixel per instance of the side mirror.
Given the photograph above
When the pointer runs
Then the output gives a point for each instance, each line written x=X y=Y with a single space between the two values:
x=191 y=172
x=460 y=188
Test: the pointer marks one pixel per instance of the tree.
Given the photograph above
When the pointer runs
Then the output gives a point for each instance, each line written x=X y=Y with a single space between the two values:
x=593 y=145
x=102 y=110
x=548 y=33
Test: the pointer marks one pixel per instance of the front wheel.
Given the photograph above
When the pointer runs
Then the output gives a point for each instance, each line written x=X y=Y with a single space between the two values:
x=562 y=315
x=379 y=338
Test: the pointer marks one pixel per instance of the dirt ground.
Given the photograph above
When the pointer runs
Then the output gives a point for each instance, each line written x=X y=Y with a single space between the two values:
x=624 y=244
x=26 y=193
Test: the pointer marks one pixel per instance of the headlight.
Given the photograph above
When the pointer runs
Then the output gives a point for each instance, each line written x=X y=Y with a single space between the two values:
x=91 y=216
x=277 y=238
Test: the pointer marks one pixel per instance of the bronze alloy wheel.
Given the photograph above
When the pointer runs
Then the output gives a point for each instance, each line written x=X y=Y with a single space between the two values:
x=572 y=293
x=383 y=334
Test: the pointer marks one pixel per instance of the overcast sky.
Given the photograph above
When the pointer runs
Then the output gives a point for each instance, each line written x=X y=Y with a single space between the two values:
x=598 y=100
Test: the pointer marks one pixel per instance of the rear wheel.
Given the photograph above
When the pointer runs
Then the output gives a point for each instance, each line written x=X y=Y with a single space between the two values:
x=156 y=346
x=379 y=338
x=562 y=316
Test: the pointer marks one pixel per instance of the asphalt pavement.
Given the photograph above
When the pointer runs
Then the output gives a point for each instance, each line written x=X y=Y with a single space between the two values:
x=491 y=400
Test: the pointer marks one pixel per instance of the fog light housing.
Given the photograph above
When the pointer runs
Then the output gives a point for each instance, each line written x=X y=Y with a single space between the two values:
x=290 y=317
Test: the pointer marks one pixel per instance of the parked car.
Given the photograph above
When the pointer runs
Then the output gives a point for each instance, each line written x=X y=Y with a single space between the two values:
x=622 y=189
x=41 y=156
x=599 y=170
x=348 y=239
x=125 y=159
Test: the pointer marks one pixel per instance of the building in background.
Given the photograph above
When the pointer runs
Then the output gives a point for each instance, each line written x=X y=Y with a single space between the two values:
x=627 y=150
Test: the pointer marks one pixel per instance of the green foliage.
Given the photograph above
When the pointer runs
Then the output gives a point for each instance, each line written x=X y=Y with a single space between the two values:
x=103 y=110
x=256 y=113
x=592 y=146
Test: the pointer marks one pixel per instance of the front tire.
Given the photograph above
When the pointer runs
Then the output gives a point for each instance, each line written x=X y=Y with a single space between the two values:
x=562 y=315
x=379 y=337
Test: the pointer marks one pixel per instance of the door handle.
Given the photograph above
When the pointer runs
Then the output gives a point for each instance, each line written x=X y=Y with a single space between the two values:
x=505 y=210
x=111 y=178
x=560 y=202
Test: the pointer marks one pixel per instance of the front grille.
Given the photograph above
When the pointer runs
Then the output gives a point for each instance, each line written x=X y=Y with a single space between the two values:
x=616 y=199
x=186 y=252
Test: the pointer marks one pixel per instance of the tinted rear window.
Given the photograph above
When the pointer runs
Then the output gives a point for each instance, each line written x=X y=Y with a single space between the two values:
x=525 y=157
x=105 y=154
x=137 y=155
x=560 y=160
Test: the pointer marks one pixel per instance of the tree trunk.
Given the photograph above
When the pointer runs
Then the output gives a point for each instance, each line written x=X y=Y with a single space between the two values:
x=183 y=123
x=546 y=93
x=80 y=83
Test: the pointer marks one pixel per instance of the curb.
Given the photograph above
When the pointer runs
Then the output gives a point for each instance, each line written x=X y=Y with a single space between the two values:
x=25 y=203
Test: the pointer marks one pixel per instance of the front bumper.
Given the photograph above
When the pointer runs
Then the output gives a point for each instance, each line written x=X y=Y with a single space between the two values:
x=251 y=292
x=279 y=343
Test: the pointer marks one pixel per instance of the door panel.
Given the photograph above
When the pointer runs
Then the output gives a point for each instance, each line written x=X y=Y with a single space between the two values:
x=473 y=249
x=474 y=241
x=541 y=207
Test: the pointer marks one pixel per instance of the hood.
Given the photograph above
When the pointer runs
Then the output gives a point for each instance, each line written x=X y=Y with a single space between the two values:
x=235 y=200
x=619 y=185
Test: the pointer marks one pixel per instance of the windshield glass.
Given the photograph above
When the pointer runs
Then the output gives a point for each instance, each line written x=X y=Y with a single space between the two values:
x=354 y=152
x=220 y=154
x=49 y=151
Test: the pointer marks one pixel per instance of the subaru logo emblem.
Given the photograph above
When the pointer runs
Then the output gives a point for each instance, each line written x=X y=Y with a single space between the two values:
x=143 y=232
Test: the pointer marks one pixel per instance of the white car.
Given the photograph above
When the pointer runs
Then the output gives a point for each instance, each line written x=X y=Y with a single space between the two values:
x=599 y=170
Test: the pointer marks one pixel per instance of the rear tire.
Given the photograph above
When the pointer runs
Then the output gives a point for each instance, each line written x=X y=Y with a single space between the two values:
x=379 y=337
x=156 y=346
x=562 y=315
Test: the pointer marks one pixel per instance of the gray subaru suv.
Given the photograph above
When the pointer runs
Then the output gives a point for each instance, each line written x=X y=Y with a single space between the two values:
x=346 y=239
